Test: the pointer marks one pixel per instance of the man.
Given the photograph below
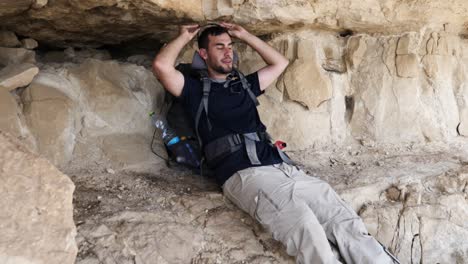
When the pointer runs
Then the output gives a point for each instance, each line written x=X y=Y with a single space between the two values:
x=302 y=212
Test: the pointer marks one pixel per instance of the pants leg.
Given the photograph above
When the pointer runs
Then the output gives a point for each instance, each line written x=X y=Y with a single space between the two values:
x=267 y=194
x=343 y=227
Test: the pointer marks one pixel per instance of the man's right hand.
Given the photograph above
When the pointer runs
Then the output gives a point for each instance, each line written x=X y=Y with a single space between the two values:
x=189 y=30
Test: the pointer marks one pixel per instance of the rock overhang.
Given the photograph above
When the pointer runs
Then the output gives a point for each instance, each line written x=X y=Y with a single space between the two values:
x=111 y=22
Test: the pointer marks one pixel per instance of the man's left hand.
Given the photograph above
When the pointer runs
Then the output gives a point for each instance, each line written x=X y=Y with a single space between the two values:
x=234 y=30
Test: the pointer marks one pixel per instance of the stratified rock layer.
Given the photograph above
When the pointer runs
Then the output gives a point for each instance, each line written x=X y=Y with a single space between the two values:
x=158 y=19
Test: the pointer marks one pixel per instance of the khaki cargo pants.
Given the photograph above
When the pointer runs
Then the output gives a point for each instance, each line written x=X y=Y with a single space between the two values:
x=304 y=213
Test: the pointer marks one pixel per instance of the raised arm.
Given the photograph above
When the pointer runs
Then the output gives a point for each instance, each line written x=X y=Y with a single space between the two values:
x=276 y=62
x=163 y=64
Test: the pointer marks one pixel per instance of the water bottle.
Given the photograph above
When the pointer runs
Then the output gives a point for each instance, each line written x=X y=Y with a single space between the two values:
x=182 y=152
x=169 y=136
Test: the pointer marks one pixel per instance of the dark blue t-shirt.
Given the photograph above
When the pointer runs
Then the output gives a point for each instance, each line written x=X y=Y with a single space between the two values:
x=231 y=111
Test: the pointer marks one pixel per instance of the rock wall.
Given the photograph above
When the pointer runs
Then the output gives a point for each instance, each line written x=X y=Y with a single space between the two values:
x=398 y=89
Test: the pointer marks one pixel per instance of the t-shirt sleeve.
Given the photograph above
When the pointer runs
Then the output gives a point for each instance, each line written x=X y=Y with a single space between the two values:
x=254 y=83
x=185 y=95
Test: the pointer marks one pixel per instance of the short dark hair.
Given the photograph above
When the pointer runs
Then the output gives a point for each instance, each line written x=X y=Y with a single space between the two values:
x=209 y=31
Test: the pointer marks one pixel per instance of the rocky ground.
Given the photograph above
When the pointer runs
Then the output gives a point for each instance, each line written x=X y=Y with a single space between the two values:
x=168 y=215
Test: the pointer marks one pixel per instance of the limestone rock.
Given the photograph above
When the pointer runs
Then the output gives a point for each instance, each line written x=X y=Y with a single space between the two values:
x=8 y=39
x=16 y=56
x=12 y=120
x=37 y=4
x=462 y=100
x=305 y=83
x=14 y=76
x=91 y=123
x=55 y=142
x=356 y=50
x=13 y=7
x=408 y=44
x=29 y=43
x=428 y=121
x=142 y=60
x=36 y=208
x=108 y=87
x=412 y=234
x=407 y=65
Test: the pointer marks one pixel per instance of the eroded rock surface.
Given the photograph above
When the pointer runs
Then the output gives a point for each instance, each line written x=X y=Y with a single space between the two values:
x=36 y=212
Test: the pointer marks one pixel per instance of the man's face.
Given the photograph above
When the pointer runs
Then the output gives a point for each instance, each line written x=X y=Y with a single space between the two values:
x=219 y=55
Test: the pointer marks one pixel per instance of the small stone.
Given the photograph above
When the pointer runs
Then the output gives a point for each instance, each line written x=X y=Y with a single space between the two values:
x=110 y=171
x=39 y=4
x=393 y=193
x=119 y=196
x=29 y=43
x=214 y=196
x=334 y=65
x=99 y=197
x=15 y=76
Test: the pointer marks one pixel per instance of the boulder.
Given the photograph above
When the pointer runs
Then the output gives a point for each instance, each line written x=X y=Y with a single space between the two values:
x=307 y=84
x=36 y=208
x=91 y=97
x=17 y=75
x=50 y=115
x=16 y=56
x=29 y=43
x=8 y=39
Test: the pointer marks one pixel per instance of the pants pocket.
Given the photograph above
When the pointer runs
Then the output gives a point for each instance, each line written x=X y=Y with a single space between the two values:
x=266 y=211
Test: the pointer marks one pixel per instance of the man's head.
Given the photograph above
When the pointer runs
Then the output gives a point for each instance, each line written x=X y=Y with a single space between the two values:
x=215 y=47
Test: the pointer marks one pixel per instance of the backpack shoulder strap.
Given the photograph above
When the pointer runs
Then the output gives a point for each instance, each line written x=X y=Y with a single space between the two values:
x=246 y=85
x=206 y=82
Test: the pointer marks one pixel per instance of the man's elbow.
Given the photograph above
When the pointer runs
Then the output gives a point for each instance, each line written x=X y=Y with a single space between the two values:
x=284 y=63
x=158 y=67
